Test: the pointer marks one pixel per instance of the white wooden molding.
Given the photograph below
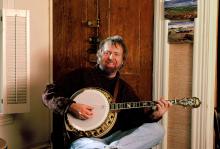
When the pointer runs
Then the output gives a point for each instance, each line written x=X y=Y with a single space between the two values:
x=204 y=69
x=51 y=55
x=51 y=41
x=6 y=119
x=160 y=61
x=9 y=4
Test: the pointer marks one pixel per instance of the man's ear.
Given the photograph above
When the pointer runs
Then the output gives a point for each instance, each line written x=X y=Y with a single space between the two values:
x=122 y=65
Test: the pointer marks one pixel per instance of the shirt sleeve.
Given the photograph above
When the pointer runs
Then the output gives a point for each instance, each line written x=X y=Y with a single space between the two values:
x=56 y=96
x=54 y=102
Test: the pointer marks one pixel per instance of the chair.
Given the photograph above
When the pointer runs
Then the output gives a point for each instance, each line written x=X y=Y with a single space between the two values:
x=3 y=144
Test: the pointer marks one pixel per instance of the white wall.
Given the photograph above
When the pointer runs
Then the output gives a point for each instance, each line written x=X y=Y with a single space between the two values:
x=32 y=128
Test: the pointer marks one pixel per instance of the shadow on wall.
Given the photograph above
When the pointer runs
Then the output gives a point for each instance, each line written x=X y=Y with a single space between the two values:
x=27 y=133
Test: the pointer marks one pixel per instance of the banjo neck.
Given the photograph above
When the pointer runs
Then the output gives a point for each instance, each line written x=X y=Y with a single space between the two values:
x=193 y=102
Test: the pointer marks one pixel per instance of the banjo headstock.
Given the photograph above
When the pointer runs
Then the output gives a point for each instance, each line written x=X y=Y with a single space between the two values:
x=192 y=102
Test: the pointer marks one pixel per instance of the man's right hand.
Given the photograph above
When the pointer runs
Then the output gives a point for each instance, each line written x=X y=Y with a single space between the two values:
x=81 y=111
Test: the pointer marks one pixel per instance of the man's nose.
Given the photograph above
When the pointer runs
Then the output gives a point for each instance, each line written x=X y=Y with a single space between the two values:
x=111 y=56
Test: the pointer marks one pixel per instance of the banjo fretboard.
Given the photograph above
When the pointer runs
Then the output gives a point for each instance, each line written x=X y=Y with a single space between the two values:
x=186 y=102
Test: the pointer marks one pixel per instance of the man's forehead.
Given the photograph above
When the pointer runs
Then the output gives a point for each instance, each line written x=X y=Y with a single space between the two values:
x=109 y=44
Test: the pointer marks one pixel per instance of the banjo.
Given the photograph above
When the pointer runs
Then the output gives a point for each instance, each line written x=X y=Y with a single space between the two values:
x=105 y=112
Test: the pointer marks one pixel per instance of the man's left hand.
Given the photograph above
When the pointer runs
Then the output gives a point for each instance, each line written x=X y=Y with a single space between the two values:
x=161 y=108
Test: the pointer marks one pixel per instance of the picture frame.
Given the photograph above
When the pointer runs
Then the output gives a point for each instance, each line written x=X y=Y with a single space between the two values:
x=180 y=9
x=180 y=32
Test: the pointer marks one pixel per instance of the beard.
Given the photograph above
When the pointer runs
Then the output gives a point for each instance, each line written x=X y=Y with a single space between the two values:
x=109 y=70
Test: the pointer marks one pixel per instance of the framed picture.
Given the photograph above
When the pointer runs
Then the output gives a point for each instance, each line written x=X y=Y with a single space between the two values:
x=180 y=9
x=180 y=32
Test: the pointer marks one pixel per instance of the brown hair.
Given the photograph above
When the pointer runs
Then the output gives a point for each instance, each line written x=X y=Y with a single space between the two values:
x=113 y=40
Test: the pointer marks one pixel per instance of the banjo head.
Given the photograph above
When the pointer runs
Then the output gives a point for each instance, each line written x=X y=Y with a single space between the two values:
x=96 y=98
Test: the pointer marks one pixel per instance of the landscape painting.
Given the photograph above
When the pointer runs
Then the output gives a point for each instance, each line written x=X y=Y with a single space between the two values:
x=180 y=9
x=181 y=32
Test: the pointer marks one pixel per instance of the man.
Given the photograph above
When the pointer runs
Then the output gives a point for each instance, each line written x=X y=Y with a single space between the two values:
x=134 y=128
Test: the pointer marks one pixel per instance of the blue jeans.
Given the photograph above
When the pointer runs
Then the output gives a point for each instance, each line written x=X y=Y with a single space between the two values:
x=144 y=137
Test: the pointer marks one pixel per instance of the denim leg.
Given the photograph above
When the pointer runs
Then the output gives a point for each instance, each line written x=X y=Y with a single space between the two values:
x=144 y=137
x=87 y=143
x=117 y=135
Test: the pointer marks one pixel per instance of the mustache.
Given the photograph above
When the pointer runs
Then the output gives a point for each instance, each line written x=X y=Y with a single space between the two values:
x=110 y=61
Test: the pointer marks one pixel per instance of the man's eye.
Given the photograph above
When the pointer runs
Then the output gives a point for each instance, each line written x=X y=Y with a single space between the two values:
x=107 y=53
x=116 y=54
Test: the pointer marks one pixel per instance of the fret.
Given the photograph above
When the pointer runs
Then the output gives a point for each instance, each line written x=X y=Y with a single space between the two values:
x=135 y=104
x=116 y=107
x=121 y=105
x=145 y=104
x=128 y=105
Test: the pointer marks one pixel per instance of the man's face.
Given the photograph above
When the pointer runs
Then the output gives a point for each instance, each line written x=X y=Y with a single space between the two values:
x=112 y=57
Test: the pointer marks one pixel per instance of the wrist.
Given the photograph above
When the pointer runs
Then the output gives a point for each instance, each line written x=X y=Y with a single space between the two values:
x=71 y=107
x=156 y=115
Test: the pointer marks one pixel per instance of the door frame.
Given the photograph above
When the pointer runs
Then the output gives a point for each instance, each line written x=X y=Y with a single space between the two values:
x=204 y=69
x=208 y=12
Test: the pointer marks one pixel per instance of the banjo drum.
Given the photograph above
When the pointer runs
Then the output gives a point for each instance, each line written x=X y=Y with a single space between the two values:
x=103 y=118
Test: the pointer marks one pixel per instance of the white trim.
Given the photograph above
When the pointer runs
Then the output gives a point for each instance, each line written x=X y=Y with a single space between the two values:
x=9 y=4
x=204 y=63
x=160 y=61
x=51 y=41
x=6 y=119
x=51 y=55
x=165 y=79
x=204 y=71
